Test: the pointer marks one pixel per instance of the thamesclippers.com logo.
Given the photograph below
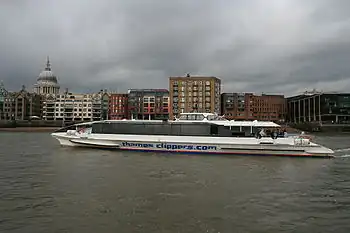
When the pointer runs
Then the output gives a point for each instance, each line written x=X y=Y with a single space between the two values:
x=168 y=146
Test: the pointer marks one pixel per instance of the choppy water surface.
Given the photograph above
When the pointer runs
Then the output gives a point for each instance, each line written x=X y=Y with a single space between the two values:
x=47 y=188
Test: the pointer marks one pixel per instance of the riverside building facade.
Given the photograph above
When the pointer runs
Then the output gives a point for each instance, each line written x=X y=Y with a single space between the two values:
x=148 y=104
x=247 y=106
x=194 y=94
x=322 y=107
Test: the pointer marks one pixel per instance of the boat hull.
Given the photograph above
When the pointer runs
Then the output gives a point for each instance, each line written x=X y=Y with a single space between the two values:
x=195 y=147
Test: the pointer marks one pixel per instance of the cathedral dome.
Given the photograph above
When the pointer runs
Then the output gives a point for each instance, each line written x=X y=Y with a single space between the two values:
x=47 y=76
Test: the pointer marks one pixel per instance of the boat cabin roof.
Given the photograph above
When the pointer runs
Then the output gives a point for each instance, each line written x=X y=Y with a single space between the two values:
x=200 y=116
x=214 y=118
x=255 y=123
x=262 y=124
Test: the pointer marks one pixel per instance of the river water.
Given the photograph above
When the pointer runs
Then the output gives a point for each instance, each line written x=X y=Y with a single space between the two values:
x=48 y=188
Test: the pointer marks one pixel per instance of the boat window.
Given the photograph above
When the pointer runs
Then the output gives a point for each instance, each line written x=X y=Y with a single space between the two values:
x=183 y=117
x=235 y=128
x=214 y=130
x=199 y=117
x=175 y=130
x=195 y=130
x=246 y=129
x=97 y=128
x=139 y=129
x=256 y=129
x=211 y=117
x=159 y=129
x=191 y=117
x=224 y=131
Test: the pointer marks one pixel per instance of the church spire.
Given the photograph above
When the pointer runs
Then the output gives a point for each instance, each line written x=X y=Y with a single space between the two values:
x=48 y=65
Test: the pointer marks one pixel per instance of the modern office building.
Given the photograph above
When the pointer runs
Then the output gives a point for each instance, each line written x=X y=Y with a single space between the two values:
x=247 y=106
x=194 y=94
x=319 y=107
x=151 y=104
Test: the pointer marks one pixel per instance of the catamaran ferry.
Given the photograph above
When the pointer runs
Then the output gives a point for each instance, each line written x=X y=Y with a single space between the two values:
x=202 y=133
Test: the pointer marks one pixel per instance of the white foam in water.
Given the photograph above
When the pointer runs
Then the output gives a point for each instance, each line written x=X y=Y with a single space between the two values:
x=341 y=150
x=344 y=156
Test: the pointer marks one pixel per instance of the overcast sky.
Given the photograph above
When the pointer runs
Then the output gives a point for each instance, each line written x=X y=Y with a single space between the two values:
x=271 y=46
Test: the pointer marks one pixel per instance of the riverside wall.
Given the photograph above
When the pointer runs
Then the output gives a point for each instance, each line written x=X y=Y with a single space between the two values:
x=33 y=123
x=31 y=126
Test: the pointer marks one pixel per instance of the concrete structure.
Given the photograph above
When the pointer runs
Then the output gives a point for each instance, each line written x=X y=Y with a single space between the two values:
x=70 y=107
x=118 y=106
x=194 y=94
x=319 y=107
x=247 y=106
x=152 y=104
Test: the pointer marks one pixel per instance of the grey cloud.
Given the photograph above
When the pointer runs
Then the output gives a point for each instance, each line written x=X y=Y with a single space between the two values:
x=277 y=46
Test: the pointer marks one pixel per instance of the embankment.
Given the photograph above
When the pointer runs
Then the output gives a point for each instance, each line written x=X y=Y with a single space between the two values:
x=29 y=129
x=31 y=126
x=326 y=128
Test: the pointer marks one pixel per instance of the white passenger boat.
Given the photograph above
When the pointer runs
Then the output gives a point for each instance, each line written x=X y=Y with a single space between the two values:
x=203 y=133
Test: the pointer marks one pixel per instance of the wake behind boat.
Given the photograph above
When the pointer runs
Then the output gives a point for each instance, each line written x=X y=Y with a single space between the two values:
x=202 y=133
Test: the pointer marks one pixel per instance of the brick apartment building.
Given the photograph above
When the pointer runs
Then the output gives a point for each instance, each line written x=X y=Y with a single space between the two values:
x=194 y=94
x=247 y=106
x=148 y=104
x=118 y=107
